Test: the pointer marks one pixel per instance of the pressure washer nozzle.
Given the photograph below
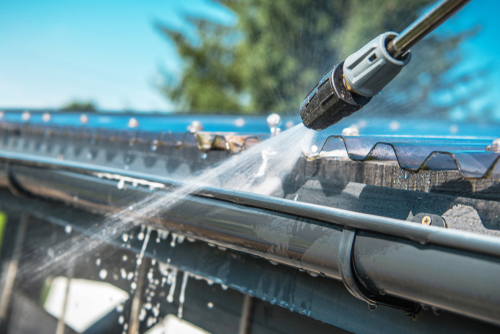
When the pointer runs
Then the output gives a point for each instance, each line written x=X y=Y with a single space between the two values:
x=350 y=85
x=330 y=101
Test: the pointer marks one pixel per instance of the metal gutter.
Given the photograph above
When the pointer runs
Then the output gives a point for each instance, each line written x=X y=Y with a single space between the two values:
x=459 y=240
x=323 y=299
x=447 y=269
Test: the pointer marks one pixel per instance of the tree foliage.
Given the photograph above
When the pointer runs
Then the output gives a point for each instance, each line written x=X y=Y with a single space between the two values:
x=76 y=105
x=278 y=50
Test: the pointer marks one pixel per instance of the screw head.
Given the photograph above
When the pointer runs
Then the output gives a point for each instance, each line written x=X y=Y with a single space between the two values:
x=495 y=146
x=426 y=220
x=273 y=120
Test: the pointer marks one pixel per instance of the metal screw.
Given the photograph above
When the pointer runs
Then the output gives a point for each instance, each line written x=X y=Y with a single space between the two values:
x=426 y=220
x=495 y=146
x=274 y=120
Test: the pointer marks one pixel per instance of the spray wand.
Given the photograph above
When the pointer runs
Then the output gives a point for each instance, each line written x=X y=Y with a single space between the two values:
x=351 y=84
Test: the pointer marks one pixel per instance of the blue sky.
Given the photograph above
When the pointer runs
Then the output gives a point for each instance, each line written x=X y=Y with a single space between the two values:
x=54 y=51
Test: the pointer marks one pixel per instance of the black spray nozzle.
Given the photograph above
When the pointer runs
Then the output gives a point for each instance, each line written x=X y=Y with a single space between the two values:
x=350 y=85
x=330 y=101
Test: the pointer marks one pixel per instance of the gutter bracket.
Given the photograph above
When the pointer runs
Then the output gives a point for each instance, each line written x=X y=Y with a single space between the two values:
x=428 y=219
x=359 y=289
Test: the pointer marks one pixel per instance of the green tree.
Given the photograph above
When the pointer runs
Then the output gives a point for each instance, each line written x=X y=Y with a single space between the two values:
x=278 y=50
x=77 y=105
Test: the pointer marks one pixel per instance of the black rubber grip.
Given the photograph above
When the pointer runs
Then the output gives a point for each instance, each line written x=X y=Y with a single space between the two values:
x=330 y=101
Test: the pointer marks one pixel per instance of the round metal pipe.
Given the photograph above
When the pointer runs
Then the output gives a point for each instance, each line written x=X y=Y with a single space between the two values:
x=302 y=243
x=448 y=279
x=425 y=24
x=469 y=242
x=444 y=277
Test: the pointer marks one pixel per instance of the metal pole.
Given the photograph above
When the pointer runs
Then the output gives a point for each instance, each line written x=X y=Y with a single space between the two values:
x=426 y=23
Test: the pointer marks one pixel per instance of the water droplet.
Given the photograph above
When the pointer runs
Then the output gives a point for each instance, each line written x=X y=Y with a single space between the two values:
x=103 y=273
x=133 y=123
x=147 y=306
x=174 y=237
x=121 y=319
x=151 y=321
x=125 y=237
x=68 y=229
x=142 y=315
x=210 y=305
x=98 y=262
x=182 y=296
x=140 y=236
x=274 y=263
x=124 y=258
x=133 y=285
x=156 y=311
x=394 y=125
x=204 y=156
x=51 y=252
x=123 y=273
x=312 y=273
x=119 y=308
x=224 y=287
x=130 y=276
x=171 y=280
x=121 y=184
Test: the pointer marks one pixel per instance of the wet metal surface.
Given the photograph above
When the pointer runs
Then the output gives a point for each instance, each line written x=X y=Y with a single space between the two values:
x=302 y=236
x=469 y=155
